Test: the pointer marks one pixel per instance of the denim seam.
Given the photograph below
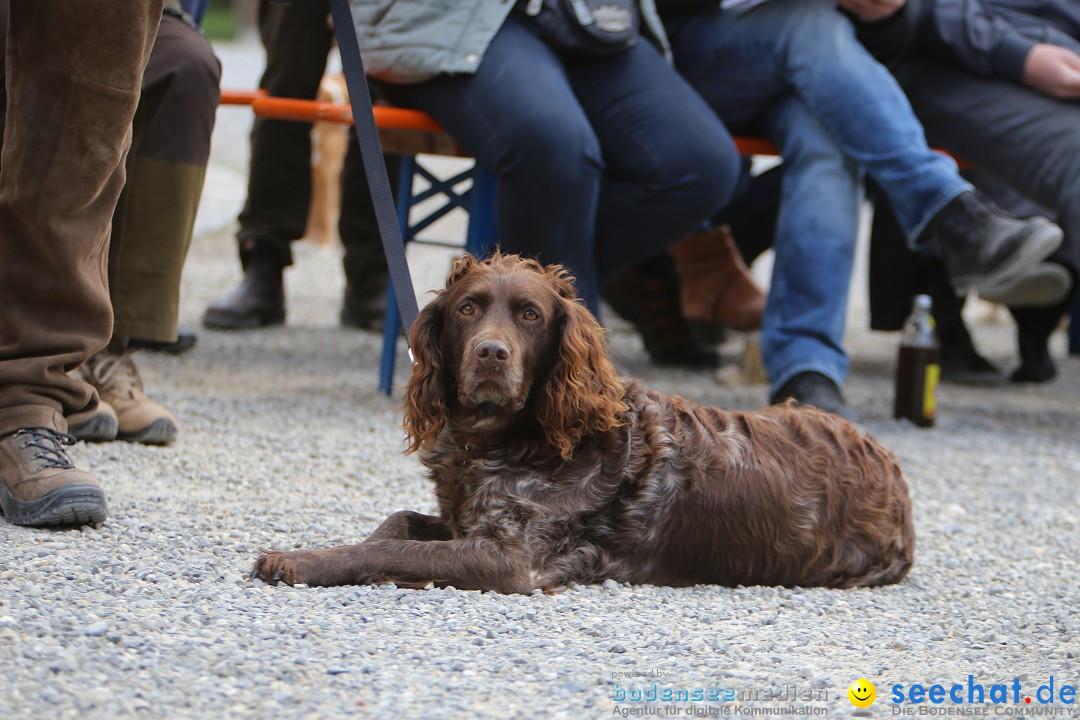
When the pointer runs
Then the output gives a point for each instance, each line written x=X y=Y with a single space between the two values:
x=943 y=198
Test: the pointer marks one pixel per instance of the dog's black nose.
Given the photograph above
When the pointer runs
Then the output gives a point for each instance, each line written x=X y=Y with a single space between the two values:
x=493 y=350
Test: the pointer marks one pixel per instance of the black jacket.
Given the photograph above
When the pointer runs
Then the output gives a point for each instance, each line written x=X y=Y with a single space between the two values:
x=987 y=37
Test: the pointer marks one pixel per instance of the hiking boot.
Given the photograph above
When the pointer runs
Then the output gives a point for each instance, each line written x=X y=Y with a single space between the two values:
x=647 y=296
x=139 y=418
x=812 y=388
x=39 y=485
x=983 y=247
x=717 y=290
x=98 y=425
x=258 y=301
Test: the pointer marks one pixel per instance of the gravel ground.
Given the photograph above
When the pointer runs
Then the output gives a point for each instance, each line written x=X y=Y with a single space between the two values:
x=285 y=444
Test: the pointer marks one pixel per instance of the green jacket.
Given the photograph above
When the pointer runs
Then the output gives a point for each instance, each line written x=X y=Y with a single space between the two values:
x=409 y=41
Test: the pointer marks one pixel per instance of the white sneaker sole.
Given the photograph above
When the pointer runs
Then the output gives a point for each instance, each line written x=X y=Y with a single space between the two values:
x=1041 y=285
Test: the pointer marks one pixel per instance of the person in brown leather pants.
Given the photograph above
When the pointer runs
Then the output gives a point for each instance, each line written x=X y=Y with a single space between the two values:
x=74 y=73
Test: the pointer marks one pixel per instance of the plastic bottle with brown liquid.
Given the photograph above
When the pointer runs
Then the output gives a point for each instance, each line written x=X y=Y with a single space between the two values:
x=917 y=369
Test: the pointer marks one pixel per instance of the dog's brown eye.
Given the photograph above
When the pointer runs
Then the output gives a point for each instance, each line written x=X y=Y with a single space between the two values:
x=467 y=309
x=530 y=314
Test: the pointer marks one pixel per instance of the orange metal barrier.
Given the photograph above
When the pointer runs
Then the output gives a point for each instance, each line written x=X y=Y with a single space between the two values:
x=388 y=118
x=399 y=119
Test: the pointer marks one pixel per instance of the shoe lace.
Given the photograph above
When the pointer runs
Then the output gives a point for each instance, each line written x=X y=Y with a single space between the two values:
x=114 y=373
x=50 y=445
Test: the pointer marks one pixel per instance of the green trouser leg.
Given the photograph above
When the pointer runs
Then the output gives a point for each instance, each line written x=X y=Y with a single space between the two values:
x=154 y=219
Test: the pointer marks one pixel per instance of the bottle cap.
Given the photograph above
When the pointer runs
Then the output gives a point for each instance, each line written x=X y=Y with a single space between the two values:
x=923 y=302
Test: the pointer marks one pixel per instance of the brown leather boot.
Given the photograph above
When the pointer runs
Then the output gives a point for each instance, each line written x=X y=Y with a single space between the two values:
x=139 y=418
x=647 y=296
x=717 y=288
x=39 y=485
x=97 y=425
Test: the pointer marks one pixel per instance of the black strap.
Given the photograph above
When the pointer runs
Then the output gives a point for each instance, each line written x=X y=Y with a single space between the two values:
x=374 y=165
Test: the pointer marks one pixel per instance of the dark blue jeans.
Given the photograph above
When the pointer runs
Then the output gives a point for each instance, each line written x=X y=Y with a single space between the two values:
x=600 y=163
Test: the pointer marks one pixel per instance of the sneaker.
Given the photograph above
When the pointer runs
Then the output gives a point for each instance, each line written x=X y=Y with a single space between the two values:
x=139 y=418
x=97 y=425
x=983 y=247
x=811 y=388
x=39 y=485
x=1044 y=284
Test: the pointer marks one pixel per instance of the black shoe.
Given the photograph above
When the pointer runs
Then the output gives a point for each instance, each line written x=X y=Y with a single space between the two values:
x=259 y=300
x=973 y=369
x=184 y=341
x=812 y=388
x=647 y=296
x=983 y=247
x=365 y=311
x=1036 y=364
x=961 y=362
x=1031 y=371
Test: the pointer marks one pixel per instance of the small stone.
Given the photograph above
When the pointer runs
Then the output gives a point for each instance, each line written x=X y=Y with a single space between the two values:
x=610 y=584
x=97 y=629
x=618 y=648
x=336 y=670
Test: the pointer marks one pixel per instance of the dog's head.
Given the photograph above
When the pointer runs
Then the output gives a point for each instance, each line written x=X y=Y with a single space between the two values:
x=508 y=335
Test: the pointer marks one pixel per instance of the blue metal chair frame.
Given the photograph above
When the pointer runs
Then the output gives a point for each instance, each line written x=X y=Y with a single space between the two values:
x=478 y=201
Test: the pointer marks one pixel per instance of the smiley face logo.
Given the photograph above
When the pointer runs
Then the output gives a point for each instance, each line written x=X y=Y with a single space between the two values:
x=862 y=693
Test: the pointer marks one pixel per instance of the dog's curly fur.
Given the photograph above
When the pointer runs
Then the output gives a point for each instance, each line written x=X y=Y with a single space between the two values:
x=550 y=469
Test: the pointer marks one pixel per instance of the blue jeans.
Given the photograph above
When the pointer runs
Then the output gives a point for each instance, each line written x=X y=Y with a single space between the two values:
x=793 y=71
x=600 y=163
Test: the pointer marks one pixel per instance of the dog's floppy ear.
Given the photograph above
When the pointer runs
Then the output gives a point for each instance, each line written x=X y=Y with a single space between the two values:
x=461 y=267
x=583 y=393
x=425 y=393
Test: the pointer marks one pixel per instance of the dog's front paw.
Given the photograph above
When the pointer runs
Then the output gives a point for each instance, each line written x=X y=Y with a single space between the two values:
x=274 y=565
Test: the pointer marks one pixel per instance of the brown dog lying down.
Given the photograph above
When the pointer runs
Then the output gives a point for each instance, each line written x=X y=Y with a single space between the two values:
x=551 y=470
